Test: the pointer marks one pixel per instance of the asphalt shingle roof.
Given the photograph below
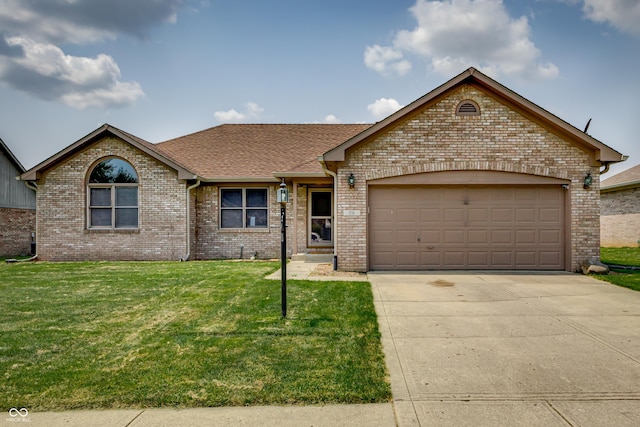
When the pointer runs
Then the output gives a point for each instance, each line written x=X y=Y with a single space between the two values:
x=257 y=150
x=624 y=177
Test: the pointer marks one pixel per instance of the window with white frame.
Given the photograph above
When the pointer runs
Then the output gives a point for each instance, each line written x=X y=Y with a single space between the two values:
x=243 y=208
x=113 y=195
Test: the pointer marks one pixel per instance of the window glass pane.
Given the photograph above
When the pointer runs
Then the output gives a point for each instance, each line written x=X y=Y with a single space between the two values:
x=231 y=218
x=321 y=230
x=100 y=197
x=256 y=218
x=126 y=217
x=231 y=198
x=257 y=198
x=126 y=196
x=113 y=171
x=321 y=203
x=101 y=217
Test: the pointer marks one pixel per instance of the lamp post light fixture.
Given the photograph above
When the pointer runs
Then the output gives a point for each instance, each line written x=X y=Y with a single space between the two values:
x=283 y=199
x=588 y=180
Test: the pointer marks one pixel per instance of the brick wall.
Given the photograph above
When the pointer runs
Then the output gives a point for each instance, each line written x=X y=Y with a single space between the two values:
x=16 y=226
x=62 y=210
x=212 y=242
x=435 y=139
x=620 y=218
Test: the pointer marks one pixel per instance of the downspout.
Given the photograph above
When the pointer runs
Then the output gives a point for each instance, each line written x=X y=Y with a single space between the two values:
x=188 y=252
x=335 y=211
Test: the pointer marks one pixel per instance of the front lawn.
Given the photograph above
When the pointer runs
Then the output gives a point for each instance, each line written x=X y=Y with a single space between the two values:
x=622 y=256
x=134 y=334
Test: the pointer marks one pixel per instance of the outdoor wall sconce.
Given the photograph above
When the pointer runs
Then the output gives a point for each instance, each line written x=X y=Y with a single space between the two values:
x=351 y=180
x=588 y=180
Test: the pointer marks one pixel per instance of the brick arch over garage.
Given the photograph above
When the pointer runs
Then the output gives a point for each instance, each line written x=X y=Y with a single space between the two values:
x=479 y=166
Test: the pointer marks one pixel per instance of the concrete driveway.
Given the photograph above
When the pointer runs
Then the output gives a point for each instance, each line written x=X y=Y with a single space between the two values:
x=493 y=349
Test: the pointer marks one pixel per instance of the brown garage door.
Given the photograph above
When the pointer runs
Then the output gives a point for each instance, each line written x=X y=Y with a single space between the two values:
x=466 y=227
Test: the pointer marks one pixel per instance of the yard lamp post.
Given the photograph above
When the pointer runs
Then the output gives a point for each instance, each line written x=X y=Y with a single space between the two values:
x=283 y=199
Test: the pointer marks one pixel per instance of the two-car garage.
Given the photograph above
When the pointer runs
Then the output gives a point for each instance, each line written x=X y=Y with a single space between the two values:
x=467 y=226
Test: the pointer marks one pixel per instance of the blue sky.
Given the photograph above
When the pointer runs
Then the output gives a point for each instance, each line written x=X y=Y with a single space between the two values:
x=165 y=68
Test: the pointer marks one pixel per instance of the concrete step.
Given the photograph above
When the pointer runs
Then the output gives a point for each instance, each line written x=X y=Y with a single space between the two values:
x=319 y=258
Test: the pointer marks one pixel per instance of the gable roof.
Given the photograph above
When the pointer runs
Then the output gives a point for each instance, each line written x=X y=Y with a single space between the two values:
x=602 y=153
x=13 y=159
x=625 y=179
x=258 y=152
x=105 y=130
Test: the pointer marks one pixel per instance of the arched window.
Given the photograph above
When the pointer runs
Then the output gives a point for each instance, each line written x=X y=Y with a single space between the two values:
x=113 y=195
x=467 y=108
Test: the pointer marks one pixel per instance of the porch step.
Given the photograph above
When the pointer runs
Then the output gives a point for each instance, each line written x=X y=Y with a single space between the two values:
x=319 y=258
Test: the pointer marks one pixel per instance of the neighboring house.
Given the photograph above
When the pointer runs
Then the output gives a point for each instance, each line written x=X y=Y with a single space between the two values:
x=469 y=176
x=17 y=207
x=620 y=209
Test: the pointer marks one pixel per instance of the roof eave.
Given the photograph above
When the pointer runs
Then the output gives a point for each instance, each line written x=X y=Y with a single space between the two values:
x=619 y=187
x=34 y=173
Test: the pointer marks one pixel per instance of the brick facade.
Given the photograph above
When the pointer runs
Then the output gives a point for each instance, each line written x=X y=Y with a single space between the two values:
x=16 y=226
x=213 y=242
x=62 y=210
x=620 y=218
x=435 y=139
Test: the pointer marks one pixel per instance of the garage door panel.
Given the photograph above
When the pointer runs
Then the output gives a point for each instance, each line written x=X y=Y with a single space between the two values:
x=478 y=215
x=431 y=215
x=467 y=227
x=454 y=215
x=550 y=215
x=501 y=215
x=502 y=259
x=380 y=237
x=478 y=259
x=502 y=237
x=525 y=237
x=478 y=237
x=550 y=237
x=406 y=215
x=407 y=259
x=454 y=259
x=454 y=237
x=406 y=236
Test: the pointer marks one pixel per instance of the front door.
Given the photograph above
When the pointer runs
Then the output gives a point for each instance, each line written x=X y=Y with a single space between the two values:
x=320 y=217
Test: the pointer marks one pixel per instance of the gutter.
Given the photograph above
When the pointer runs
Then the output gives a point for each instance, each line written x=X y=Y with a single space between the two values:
x=335 y=210
x=188 y=251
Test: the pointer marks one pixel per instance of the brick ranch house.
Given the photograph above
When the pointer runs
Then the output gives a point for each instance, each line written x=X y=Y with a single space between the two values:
x=17 y=207
x=469 y=176
x=620 y=210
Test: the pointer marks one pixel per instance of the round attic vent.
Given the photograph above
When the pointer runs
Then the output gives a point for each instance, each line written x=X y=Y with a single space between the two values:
x=467 y=108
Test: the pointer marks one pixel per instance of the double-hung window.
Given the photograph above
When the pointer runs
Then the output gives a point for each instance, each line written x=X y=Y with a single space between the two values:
x=113 y=195
x=243 y=208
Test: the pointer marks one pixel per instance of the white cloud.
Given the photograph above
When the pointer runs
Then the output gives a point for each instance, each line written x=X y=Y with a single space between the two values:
x=386 y=60
x=622 y=14
x=383 y=107
x=84 y=21
x=456 y=34
x=252 y=111
x=332 y=119
x=31 y=60
x=43 y=70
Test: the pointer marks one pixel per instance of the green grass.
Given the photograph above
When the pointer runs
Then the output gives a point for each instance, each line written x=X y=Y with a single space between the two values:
x=122 y=335
x=622 y=256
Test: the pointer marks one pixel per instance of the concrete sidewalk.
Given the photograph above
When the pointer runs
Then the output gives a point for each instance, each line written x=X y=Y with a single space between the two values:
x=510 y=349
